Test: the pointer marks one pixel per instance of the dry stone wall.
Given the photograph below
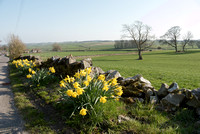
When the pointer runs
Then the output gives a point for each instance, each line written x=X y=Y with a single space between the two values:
x=135 y=88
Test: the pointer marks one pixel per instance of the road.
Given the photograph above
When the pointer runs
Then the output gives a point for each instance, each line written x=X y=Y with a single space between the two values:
x=10 y=120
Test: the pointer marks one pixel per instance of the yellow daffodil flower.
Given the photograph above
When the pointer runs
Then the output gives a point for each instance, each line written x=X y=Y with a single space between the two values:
x=101 y=77
x=52 y=69
x=33 y=72
x=69 y=92
x=29 y=70
x=79 y=91
x=76 y=85
x=83 y=111
x=105 y=87
x=88 y=70
x=77 y=75
x=103 y=99
x=89 y=78
x=74 y=94
x=82 y=73
x=86 y=83
x=28 y=76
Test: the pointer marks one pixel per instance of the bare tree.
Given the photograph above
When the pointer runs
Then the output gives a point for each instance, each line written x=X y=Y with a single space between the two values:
x=16 y=46
x=140 y=34
x=171 y=37
x=186 y=39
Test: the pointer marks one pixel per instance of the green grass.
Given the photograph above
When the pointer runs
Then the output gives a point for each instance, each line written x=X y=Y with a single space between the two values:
x=157 y=66
x=34 y=119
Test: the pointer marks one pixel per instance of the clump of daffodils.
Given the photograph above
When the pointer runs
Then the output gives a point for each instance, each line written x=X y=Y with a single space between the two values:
x=24 y=65
x=35 y=76
x=40 y=77
x=86 y=92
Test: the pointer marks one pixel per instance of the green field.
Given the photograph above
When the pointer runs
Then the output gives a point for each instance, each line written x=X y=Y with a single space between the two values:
x=163 y=66
x=67 y=46
x=45 y=55
x=158 y=67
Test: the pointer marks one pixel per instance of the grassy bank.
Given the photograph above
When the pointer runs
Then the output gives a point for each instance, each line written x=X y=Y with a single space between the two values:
x=33 y=117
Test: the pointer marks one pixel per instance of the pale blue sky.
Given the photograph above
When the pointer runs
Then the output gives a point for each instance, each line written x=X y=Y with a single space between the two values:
x=78 y=20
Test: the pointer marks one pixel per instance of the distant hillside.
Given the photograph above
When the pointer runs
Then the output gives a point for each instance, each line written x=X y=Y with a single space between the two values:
x=75 y=45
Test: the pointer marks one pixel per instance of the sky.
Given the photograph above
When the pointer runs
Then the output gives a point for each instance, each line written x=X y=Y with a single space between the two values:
x=37 y=21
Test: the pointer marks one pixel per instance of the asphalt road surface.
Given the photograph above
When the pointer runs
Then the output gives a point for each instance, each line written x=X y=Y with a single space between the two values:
x=10 y=120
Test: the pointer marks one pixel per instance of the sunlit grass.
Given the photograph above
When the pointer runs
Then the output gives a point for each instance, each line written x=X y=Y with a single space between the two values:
x=158 y=67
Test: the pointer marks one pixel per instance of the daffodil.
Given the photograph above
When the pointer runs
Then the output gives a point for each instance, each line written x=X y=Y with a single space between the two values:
x=88 y=70
x=33 y=72
x=114 y=82
x=77 y=75
x=29 y=70
x=74 y=94
x=89 y=78
x=119 y=91
x=28 y=76
x=72 y=79
x=62 y=83
x=76 y=85
x=79 y=91
x=103 y=99
x=82 y=73
x=67 y=79
x=101 y=77
x=69 y=92
x=83 y=111
x=105 y=87
x=52 y=69
x=86 y=83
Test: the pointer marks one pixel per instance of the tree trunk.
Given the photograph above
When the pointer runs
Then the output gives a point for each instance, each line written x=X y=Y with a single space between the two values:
x=183 y=48
x=176 y=48
x=140 y=55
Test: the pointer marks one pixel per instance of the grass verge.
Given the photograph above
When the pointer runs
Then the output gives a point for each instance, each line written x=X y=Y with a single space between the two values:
x=34 y=119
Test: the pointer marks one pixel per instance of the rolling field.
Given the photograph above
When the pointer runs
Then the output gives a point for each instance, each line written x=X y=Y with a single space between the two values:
x=45 y=55
x=67 y=46
x=158 y=67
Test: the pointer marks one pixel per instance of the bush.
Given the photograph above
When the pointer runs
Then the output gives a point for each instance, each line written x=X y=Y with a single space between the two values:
x=56 y=47
x=16 y=46
x=159 y=47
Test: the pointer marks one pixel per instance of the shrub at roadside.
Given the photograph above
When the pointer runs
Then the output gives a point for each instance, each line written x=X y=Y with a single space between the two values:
x=15 y=46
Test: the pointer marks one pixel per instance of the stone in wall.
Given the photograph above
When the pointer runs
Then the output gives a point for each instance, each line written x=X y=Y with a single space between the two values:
x=86 y=63
x=96 y=71
x=137 y=86
x=163 y=91
x=173 y=88
x=173 y=99
x=112 y=74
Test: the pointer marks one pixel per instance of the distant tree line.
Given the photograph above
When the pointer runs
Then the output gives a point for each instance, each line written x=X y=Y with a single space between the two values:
x=120 y=44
